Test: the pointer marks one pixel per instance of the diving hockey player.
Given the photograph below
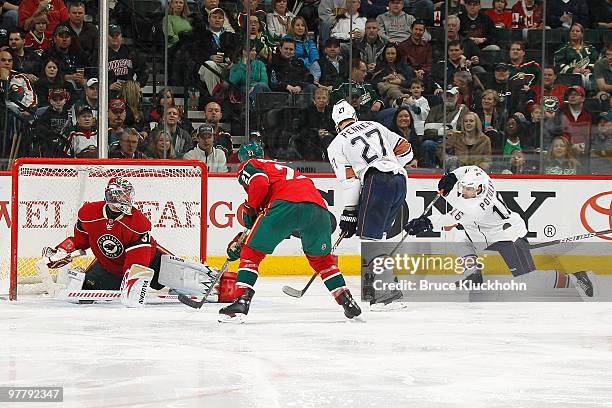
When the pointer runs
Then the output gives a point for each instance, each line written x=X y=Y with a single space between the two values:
x=119 y=236
x=485 y=218
x=280 y=202
x=369 y=161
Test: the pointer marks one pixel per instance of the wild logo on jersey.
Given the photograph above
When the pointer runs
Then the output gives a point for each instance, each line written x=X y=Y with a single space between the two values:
x=110 y=246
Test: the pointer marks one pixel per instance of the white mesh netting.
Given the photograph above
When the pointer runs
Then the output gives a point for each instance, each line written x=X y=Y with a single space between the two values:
x=50 y=195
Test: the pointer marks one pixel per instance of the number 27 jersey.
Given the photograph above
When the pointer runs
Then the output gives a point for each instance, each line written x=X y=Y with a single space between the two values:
x=365 y=144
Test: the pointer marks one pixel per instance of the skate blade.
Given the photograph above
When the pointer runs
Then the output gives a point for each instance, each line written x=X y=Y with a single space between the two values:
x=238 y=318
x=357 y=319
x=381 y=307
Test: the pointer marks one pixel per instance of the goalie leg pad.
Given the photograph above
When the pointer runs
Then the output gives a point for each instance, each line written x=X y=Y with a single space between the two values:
x=186 y=276
x=136 y=283
x=76 y=277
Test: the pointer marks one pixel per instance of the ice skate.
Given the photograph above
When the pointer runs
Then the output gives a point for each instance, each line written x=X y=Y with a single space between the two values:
x=237 y=311
x=475 y=278
x=351 y=308
x=387 y=300
x=367 y=292
x=586 y=285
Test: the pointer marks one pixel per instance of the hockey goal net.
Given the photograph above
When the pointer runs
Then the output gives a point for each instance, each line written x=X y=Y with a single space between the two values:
x=47 y=194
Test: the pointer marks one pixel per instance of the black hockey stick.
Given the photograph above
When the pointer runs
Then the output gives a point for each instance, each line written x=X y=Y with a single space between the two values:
x=570 y=239
x=424 y=212
x=197 y=304
x=288 y=290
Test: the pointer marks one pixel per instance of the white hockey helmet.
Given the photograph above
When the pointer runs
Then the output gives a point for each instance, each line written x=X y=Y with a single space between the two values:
x=473 y=180
x=343 y=111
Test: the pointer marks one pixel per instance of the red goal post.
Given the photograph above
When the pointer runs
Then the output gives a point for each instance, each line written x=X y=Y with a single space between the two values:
x=47 y=194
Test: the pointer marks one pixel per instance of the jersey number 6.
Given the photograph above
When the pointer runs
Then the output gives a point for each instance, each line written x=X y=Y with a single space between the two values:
x=366 y=145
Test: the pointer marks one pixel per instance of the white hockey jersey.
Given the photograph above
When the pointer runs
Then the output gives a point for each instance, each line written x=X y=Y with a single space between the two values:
x=365 y=144
x=485 y=218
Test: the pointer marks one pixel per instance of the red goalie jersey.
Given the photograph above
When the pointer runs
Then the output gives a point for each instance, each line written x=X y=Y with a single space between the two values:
x=117 y=243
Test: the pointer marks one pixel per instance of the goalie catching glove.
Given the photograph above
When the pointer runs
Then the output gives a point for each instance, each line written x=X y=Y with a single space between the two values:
x=61 y=255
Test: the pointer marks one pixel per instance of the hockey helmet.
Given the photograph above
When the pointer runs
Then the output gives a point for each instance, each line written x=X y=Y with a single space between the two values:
x=119 y=193
x=475 y=179
x=343 y=111
x=250 y=150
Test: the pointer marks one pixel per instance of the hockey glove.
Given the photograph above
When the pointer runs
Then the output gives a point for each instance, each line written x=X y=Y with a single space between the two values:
x=60 y=255
x=348 y=222
x=234 y=248
x=418 y=225
x=446 y=183
x=248 y=216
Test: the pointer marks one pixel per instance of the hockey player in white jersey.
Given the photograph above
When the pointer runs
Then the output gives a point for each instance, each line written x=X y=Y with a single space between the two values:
x=485 y=218
x=369 y=161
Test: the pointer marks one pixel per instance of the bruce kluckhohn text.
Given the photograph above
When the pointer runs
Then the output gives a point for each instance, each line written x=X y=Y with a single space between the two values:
x=425 y=285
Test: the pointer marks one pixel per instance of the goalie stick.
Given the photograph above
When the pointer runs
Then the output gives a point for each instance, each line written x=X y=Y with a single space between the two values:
x=197 y=304
x=288 y=290
x=570 y=239
x=112 y=295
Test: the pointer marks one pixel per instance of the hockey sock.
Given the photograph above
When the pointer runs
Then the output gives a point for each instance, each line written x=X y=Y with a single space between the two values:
x=329 y=272
x=570 y=280
x=248 y=271
x=549 y=278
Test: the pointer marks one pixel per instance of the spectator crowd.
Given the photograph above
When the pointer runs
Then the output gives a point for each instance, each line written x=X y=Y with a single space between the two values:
x=464 y=81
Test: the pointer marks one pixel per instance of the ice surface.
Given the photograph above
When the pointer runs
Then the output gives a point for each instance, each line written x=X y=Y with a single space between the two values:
x=304 y=353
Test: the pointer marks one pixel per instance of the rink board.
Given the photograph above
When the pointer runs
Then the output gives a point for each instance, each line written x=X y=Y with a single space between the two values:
x=553 y=207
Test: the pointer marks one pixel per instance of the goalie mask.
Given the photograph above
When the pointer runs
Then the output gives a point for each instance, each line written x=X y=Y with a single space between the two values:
x=119 y=194
x=473 y=184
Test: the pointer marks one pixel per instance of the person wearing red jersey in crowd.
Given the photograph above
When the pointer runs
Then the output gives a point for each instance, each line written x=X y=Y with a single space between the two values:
x=281 y=202
x=55 y=10
x=574 y=122
x=119 y=235
x=499 y=15
x=36 y=38
x=528 y=14
x=552 y=94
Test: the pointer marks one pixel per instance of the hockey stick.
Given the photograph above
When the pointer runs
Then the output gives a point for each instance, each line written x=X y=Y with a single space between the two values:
x=424 y=212
x=197 y=304
x=570 y=239
x=112 y=295
x=288 y=290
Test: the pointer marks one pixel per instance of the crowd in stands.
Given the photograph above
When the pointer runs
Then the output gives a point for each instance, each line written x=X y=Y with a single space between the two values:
x=463 y=83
